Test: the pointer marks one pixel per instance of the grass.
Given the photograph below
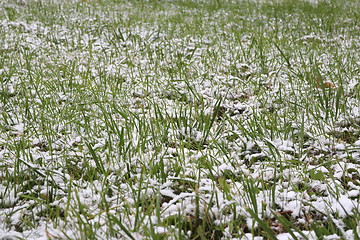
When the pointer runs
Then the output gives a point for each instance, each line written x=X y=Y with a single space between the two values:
x=179 y=119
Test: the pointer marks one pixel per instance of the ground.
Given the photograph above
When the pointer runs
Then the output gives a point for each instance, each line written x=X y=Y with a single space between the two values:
x=179 y=119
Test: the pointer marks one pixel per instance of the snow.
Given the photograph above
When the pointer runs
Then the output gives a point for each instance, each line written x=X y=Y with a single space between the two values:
x=152 y=129
x=342 y=206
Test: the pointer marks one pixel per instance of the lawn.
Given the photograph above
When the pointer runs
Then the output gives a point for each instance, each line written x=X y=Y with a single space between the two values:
x=180 y=119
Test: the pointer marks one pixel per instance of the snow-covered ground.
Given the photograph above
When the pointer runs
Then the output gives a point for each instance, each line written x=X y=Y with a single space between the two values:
x=179 y=119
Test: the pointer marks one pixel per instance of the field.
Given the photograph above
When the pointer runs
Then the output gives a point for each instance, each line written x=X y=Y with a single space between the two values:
x=180 y=119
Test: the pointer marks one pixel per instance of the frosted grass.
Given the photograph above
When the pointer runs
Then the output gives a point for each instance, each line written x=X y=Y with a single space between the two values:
x=179 y=120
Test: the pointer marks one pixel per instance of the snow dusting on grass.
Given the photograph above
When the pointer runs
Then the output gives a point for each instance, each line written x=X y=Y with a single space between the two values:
x=179 y=119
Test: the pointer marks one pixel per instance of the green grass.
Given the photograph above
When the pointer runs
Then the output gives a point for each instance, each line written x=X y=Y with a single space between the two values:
x=179 y=119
